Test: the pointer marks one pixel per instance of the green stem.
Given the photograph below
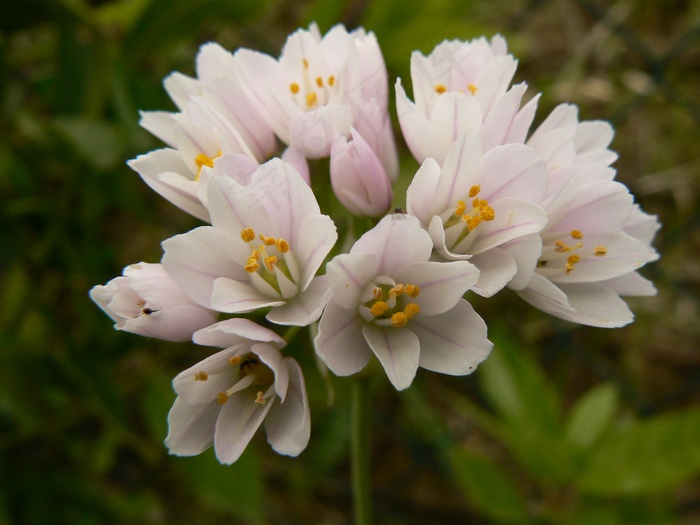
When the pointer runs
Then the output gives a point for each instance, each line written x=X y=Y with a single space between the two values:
x=361 y=451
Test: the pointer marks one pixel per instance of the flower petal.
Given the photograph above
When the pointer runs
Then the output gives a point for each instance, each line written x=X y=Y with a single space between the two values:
x=339 y=342
x=234 y=331
x=235 y=297
x=191 y=428
x=305 y=308
x=595 y=305
x=398 y=350
x=317 y=236
x=349 y=275
x=497 y=267
x=240 y=417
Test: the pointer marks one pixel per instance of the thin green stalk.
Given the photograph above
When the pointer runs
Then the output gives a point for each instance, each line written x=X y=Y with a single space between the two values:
x=361 y=451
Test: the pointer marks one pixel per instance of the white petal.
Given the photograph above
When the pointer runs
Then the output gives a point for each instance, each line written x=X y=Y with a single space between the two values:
x=595 y=305
x=398 y=350
x=234 y=297
x=305 y=308
x=453 y=115
x=240 y=417
x=420 y=194
x=497 y=267
x=288 y=425
x=180 y=88
x=441 y=284
x=514 y=170
x=296 y=158
x=313 y=132
x=339 y=342
x=233 y=331
x=317 y=236
x=599 y=206
x=452 y=343
x=160 y=124
x=631 y=284
x=272 y=357
x=526 y=251
x=191 y=428
x=544 y=295
x=462 y=169
x=416 y=128
x=349 y=275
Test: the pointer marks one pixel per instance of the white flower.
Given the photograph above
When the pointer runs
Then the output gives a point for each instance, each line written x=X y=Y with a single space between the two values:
x=266 y=242
x=483 y=207
x=594 y=242
x=224 y=399
x=462 y=87
x=320 y=87
x=147 y=301
x=390 y=300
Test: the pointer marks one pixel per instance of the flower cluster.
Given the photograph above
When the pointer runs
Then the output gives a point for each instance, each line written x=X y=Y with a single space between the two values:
x=494 y=205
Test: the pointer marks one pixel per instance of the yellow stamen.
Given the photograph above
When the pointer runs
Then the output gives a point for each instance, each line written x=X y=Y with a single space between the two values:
x=599 y=251
x=269 y=241
x=306 y=63
x=412 y=290
x=331 y=81
x=461 y=208
x=561 y=247
x=221 y=398
x=472 y=222
x=472 y=89
x=282 y=246
x=440 y=89
x=378 y=308
x=260 y=400
x=396 y=290
x=474 y=190
x=201 y=376
x=399 y=319
x=411 y=310
x=233 y=361
x=573 y=259
x=477 y=202
x=487 y=213
x=294 y=88
x=247 y=234
x=377 y=292
x=576 y=234
x=319 y=82
x=311 y=99
x=204 y=160
x=269 y=263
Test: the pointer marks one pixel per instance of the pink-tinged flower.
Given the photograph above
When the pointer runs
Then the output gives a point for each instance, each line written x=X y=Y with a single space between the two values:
x=358 y=177
x=265 y=245
x=224 y=399
x=458 y=88
x=593 y=244
x=389 y=300
x=147 y=301
x=479 y=204
x=320 y=87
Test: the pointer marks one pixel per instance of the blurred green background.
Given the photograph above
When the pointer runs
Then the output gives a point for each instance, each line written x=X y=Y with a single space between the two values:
x=562 y=424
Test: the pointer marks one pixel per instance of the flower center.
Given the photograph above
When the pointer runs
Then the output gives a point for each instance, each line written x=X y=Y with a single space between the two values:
x=202 y=160
x=392 y=303
x=272 y=267
x=442 y=88
x=462 y=222
x=251 y=373
x=563 y=254
x=311 y=91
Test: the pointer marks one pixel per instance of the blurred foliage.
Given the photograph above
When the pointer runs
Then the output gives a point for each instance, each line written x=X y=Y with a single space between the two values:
x=562 y=424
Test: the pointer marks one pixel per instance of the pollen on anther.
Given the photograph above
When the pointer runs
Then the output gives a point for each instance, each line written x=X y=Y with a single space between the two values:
x=201 y=376
x=311 y=99
x=377 y=292
x=460 y=209
x=440 y=88
x=260 y=399
x=234 y=360
x=561 y=247
x=294 y=88
x=487 y=213
x=319 y=82
x=399 y=319
x=472 y=89
x=221 y=398
x=247 y=234
x=573 y=259
x=412 y=290
x=474 y=190
x=576 y=234
x=331 y=81
x=599 y=251
x=378 y=308
x=204 y=160
x=411 y=310
x=270 y=262
x=305 y=63
x=396 y=291
x=472 y=222
x=282 y=246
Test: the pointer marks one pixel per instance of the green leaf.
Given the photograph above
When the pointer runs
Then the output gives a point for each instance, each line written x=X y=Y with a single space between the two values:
x=592 y=415
x=653 y=455
x=96 y=142
x=488 y=487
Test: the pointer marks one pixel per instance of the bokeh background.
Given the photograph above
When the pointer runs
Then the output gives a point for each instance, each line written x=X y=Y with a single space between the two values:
x=562 y=424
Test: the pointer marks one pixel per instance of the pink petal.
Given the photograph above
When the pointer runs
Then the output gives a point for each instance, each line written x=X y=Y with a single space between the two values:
x=398 y=350
x=305 y=308
x=349 y=274
x=234 y=331
x=339 y=342
x=497 y=267
x=239 y=419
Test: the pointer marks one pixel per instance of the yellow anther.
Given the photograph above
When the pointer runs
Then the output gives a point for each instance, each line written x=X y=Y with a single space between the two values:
x=561 y=247
x=260 y=400
x=477 y=202
x=576 y=234
x=411 y=310
x=474 y=190
x=311 y=99
x=294 y=88
x=269 y=241
x=460 y=209
x=319 y=82
x=270 y=262
x=221 y=398
x=282 y=246
x=378 y=308
x=233 y=361
x=201 y=376
x=472 y=89
x=251 y=266
x=412 y=290
x=396 y=290
x=472 y=222
x=247 y=234
x=440 y=88
x=573 y=259
x=204 y=160
x=331 y=81
x=377 y=292
x=306 y=63
x=599 y=251
x=399 y=319
x=487 y=213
